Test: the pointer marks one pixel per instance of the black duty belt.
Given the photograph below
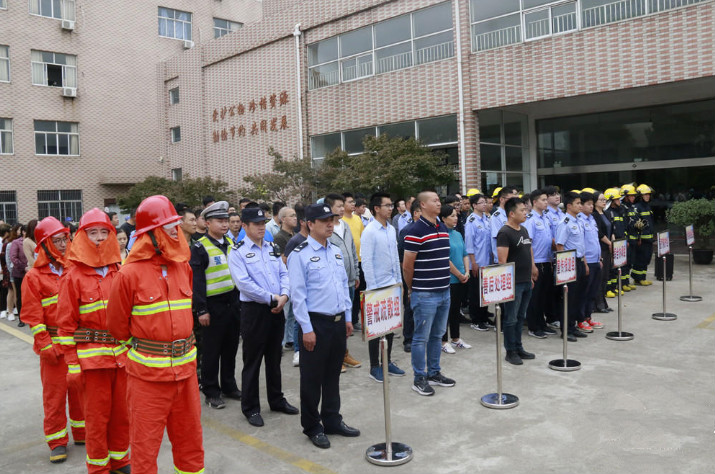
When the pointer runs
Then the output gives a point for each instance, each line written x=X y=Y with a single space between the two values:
x=94 y=335
x=176 y=348
x=334 y=317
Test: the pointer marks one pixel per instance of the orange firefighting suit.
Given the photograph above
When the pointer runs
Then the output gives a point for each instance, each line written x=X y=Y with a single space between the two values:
x=150 y=301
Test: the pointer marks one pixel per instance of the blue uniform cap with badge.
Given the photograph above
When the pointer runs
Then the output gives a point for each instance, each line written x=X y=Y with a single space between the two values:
x=217 y=210
x=253 y=214
x=318 y=211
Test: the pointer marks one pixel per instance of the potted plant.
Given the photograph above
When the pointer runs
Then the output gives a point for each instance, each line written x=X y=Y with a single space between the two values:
x=701 y=214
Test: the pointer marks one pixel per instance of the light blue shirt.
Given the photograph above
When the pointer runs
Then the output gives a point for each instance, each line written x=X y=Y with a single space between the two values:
x=257 y=271
x=498 y=220
x=570 y=234
x=405 y=218
x=539 y=228
x=379 y=257
x=234 y=238
x=477 y=239
x=593 y=246
x=268 y=237
x=556 y=215
x=318 y=282
x=457 y=252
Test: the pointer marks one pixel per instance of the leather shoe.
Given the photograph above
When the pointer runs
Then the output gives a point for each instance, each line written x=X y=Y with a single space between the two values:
x=569 y=337
x=286 y=408
x=320 y=440
x=255 y=419
x=235 y=395
x=525 y=355
x=579 y=333
x=344 y=430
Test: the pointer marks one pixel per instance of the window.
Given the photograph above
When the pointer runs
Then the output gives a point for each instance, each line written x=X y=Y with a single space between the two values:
x=174 y=24
x=4 y=63
x=404 y=41
x=56 y=138
x=224 y=27
x=503 y=149
x=53 y=69
x=176 y=174
x=3 y=4
x=60 y=204
x=6 y=145
x=60 y=9
x=8 y=206
x=174 y=96
x=175 y=134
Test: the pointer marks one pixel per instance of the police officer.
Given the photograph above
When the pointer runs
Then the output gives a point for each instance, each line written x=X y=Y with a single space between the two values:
x=615 y=214
x=499 y=217
x=593 y=261
x=477 y=239
x=631 y=219
x=215 y=303
x=319 y=293
x=262 y=279
x=645 y=226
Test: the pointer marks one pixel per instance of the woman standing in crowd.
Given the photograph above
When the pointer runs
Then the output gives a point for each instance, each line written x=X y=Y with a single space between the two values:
x=6 y=293
x=458 y=264
x=28 y=244
x=122 y=238
x=605 y=231
x=19 y=269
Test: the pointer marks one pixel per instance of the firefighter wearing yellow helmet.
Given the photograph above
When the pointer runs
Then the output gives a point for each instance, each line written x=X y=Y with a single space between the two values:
x=644 y=227
x=614 y=211
x=630 y=217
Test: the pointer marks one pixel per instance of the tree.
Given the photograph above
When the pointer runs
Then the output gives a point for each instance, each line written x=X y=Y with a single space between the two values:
x=190 y=191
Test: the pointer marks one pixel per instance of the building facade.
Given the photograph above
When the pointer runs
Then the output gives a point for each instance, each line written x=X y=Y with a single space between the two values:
x=79 y=102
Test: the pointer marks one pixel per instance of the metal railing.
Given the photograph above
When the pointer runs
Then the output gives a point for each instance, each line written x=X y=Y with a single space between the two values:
x=358 y=71
x=394 y=62
x=562 y=23
x=612 y=12
x=435 y=52
x=497 y=38
x=535 y=29
x=317 y=79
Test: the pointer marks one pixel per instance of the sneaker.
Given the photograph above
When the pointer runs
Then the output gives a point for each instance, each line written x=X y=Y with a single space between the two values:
x=584 y=326
x=421 y=386
x=20 y=324
x=3 y=314
x=350 y=362
x=595 y=324
x=376 y=374
x=480 y=327
x=513 y=358
x=296 y=359
x=554 y=324
x=288 y=346
x=525 y=355
x=538 y=334
x=577 y=333
x=215 y=402
x=11 y=316
x=548 y=331
x=461 y=344
x=357 y=327
x=343 y=369
x=392 y=369
x=407 y=347
x=610 y=294
x=15 y=312
x=447 y=348
x=441 y=380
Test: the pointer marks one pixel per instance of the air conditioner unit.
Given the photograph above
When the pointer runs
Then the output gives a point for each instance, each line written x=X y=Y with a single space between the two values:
x=69 y=92
x=188 y=44
x=68 y=25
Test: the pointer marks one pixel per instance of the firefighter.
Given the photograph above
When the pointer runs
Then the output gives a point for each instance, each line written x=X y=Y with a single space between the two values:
x=40 y=288
x=95 y=360
x=150 y=301
x=628 y=191
x=614 y=211
x=645 y=226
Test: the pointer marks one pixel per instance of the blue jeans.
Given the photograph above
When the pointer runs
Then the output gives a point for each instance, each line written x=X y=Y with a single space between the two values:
x=430 y=311
x=288 y=332
x=514 y=316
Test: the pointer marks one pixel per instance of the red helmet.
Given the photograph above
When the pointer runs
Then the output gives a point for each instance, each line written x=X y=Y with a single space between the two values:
x=96 y=217
x=46 y=228
x=154 y=212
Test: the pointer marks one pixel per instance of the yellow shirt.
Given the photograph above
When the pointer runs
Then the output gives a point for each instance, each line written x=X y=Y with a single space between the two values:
x=356 y=227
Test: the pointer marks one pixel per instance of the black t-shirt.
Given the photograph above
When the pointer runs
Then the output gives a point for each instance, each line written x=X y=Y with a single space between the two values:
x=128 y=228
x=519 y=245
x=294 y=241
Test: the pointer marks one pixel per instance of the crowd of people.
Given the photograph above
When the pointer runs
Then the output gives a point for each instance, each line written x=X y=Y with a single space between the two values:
x=133 y=322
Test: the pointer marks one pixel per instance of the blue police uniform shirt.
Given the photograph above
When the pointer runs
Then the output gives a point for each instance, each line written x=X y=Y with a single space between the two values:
x=405 y=218
x=593 y=246
x=258 y=271
x=268 y=237
x=570 y=234
x=556 y=215
x=318 y=281
x=539 y=228
x=498 y=220
x=477 y=239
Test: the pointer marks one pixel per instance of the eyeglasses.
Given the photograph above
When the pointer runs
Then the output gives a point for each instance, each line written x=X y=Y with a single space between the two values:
x=63 y=240
x=389 y=206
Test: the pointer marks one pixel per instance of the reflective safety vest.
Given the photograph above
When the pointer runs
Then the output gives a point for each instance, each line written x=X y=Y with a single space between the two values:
x=218 y=276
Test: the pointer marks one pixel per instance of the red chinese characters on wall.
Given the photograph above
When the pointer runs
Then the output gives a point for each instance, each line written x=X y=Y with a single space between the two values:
x=256 y=125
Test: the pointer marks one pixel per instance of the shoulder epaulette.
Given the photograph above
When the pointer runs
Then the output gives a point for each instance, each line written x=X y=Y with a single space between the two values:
x=566 y=219
x=301 y=246
x=471 y=219
x=276 y=249
x=198 y=244
x=496 y=213
x=237 y=245
x=528 y=216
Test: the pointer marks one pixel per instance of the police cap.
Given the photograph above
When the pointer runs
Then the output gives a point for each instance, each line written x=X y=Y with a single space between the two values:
x=217 y=210
x=318 y=211
x=253 y=214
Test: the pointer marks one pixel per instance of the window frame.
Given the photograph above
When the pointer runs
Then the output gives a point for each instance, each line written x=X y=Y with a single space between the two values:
x=65 y=7
x=171 y=96
x=175 y=20
x=12 y=136
x=8 y=199
x=6 y=58
x=228 y=29
x=173 y=133
x=57 y=134
x=3 y=4
x=54 y=63
x=60 y=203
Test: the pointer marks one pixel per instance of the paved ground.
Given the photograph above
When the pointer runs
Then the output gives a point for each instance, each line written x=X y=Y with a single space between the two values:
x=644 y=406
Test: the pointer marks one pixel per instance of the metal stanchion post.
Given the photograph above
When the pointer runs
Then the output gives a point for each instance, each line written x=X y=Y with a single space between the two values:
x=664 y=316
x=565 y=364
x=388 y=453
x=499 y=400
x=691 y=298
x=620 y=335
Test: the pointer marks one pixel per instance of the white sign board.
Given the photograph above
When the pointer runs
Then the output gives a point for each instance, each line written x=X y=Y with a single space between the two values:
x=496 y=283
x=620 y=253
x=663 y=243
x=689 y=235
x=565 y=271
x=382 y=311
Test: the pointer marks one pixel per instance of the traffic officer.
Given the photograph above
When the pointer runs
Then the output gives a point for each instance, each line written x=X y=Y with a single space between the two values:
x=216 y=305
x=614 y=212
x=40 y=289
x=150 y=301
x=262 y=279
x=645 y=226
x=631 y=218
x=570 y=236
x=96 y=361
x=321 y=301
x=477 y=239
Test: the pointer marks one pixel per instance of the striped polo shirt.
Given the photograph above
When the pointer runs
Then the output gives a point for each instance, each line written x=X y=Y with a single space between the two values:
x=431 y=244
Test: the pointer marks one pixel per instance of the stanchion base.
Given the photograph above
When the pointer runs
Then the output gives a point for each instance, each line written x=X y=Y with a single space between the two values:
x=619 y=336
x=377 y=454
x=691 y=298
x=565 y=365
x=665 y=316
x=491 y=400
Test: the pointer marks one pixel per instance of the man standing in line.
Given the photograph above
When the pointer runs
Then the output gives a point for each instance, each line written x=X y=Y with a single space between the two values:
x=234 y=226
x=645 y=226
x=262 y=279
x=408 y=332
x=187 y=224
x=274 y=225
x=426 y=272
x=381 y=265
x=200 y=224
x=477 y=232
x=295 y=241
x=216 y=305
x=593 y=261
x=289 y=222
x=615 y=214
x=630 y=215
x=514 y=245
x=356 y=227
x=401 y=209
x=554 y=298
x=131 y=224
x=499 y=217
x=319 y=291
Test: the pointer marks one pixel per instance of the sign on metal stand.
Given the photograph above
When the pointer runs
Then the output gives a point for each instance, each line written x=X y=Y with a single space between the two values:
x=690 y=240
x=565 y=273
x=496 y=284
x=382 y=315
x=620 y=258
x=663 y=251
